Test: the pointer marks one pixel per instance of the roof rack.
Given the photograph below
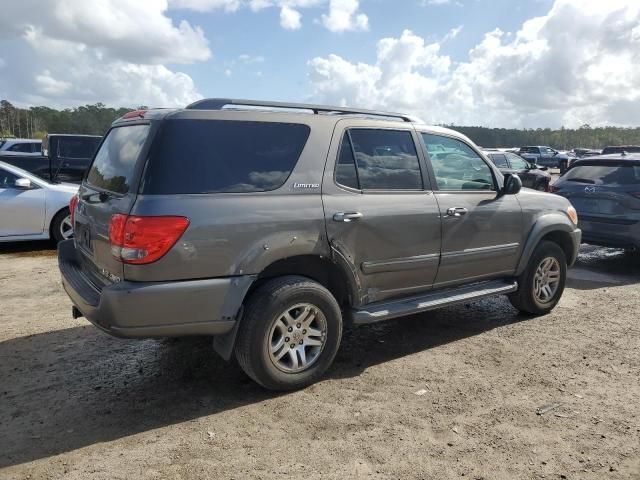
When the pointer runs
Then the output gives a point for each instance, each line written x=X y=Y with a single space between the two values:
x=220 y=103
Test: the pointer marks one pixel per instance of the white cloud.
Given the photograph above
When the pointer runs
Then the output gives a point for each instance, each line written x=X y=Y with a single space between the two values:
x=112 y=51
x=290 y=18
x=206 y=5
x=343 y=16
x=578 y=64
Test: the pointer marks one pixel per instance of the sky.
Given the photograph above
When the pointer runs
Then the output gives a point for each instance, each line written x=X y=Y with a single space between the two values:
x=497 y=63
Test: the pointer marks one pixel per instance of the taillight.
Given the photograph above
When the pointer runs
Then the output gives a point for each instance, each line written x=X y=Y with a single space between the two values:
x=140 y=240
x=73 y=203
x=635 y=194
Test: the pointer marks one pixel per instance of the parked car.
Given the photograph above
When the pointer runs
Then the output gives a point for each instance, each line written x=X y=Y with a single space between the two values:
x=63 y=158
x=271 y=229
x=605 y=191
x=586 y=152
x=545 y=156
x=32 y=208
x=621 y=149
x=19 y=147
x=532 y=175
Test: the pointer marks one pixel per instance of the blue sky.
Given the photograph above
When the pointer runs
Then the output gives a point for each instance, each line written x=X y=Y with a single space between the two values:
x=286 y=52
x=506 y=63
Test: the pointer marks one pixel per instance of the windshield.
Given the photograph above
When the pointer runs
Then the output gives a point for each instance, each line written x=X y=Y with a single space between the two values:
x=114 y=166
x=604 y=174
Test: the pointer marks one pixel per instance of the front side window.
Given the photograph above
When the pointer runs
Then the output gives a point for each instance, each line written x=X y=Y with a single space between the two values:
x=517 y=163
x=458 y=167
x=372 y=159
x=7 y=179
x=20 y=147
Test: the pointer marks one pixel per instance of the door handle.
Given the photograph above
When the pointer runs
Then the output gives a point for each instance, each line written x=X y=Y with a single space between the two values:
x=346 y=216
x=456 y=211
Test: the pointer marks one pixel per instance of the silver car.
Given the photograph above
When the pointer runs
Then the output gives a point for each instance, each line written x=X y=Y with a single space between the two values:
x=21 y=147
x=32 y=208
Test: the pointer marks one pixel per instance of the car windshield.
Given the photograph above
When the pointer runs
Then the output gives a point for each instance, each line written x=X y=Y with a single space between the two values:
x=604 y=174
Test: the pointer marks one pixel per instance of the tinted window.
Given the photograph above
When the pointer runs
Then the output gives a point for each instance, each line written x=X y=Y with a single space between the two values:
x=529 y=150
x=35 y=147
x=212 y=156
x=115 y=162
x=20 y=147
x=499 y=159
x=604 y=174
x=385 y=159
x=517 y=163
x=7 y=179
x=458 y=166
x=82 y=147
x=346 y=173
x=628 y=149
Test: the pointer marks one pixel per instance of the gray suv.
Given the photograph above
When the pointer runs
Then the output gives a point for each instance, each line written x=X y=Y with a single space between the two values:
x=270 y=226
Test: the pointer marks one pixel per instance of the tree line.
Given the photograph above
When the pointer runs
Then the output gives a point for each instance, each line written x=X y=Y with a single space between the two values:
x=35 y=122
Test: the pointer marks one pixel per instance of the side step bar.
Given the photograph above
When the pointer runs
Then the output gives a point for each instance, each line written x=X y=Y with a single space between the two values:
x=377 y=312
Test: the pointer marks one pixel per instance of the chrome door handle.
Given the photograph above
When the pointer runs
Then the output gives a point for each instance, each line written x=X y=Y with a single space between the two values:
x=346 y=216
x=456 y=211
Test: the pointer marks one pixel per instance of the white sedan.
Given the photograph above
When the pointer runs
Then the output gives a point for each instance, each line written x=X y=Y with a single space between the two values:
x=32 y=208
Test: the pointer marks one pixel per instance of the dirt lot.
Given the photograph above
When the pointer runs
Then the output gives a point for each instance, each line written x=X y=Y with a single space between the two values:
x=76 y=403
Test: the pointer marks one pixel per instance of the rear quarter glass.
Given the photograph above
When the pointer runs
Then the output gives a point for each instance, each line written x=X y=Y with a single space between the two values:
x=115 y=163
x=222 y=156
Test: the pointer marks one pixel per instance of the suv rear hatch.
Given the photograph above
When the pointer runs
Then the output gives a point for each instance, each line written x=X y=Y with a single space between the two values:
x=109 y=188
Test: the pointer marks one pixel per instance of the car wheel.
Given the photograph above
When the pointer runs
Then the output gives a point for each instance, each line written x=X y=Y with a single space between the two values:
x=289 y=333
x=61 y=228
x=541 y=284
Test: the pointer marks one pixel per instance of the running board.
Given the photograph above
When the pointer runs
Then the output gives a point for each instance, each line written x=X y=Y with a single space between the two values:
x=377 y=312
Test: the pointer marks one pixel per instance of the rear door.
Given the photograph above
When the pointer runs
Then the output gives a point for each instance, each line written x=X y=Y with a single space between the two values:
x=109 y=188
x=481 y=230
x=381 y=215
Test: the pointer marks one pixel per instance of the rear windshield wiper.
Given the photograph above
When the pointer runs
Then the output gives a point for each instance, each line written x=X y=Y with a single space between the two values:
x=580 y=180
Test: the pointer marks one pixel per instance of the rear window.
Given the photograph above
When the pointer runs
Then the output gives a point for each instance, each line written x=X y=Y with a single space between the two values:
x=628 y=149
x=604 y=174
x=77 y=147
x=221 y=156
x=115 y=162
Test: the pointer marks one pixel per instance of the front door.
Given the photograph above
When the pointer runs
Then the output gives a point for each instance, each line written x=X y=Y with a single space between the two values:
x=481 y=230
x=21 y=211
x=382 y=218
x=520 y=167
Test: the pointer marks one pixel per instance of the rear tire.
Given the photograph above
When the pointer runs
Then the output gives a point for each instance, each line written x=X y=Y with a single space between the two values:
x=541 y=284
x=289 y=333
x=61 y=228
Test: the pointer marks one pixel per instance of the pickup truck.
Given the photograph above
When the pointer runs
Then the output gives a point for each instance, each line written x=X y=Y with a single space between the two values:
x=64 y=158
x=546 y=156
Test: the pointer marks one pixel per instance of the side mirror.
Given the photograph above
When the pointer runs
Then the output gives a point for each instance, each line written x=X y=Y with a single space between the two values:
x=512 y=184
x=542 y=168
x=23 y=184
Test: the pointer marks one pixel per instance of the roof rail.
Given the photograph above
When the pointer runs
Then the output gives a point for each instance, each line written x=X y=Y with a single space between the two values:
x=220 y=103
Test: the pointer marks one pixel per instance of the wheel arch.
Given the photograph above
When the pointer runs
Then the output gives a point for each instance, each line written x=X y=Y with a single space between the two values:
x=53 y=217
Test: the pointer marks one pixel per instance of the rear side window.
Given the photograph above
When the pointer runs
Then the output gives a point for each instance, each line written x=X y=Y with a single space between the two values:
x=378 y=160
x=21 y=147
x=218 y=156
x=115 y=162
x=604 y=174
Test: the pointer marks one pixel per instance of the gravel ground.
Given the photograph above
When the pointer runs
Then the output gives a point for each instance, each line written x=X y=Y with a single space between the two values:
x=78 y=404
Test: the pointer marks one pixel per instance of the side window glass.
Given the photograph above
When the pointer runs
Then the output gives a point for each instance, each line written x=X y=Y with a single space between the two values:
x=458 y=167
x=517 y=163
x=386 y=159
x=500 y=160
x=21 y=147
x=7 y=179
x=346 y=173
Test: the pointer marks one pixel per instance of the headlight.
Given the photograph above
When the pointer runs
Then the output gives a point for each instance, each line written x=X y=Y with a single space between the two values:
x=573 y=215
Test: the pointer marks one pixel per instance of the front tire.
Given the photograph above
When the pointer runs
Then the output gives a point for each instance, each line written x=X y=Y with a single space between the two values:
x=61 y=228
x=289 y=333
x=543 y=281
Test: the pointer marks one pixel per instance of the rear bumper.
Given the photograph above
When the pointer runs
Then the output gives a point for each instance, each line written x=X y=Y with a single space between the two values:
x=154 y=309
x=610 y=233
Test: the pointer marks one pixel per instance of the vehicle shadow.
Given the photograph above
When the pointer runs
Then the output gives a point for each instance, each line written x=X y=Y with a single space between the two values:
x=30 y=248
x=67 y=389
x=599 y=267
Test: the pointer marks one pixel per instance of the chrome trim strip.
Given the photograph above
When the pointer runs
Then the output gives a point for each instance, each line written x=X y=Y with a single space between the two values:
x=400 y=264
